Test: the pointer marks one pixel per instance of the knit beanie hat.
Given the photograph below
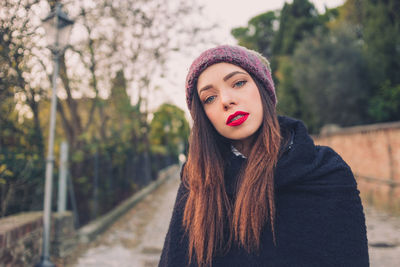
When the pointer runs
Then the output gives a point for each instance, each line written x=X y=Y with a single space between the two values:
x=251 y=61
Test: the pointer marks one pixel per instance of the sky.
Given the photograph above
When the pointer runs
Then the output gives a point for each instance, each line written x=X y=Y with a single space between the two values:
x=228 y=14
x=231 y=14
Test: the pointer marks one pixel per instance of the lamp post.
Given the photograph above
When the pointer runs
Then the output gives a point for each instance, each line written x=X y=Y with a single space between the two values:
x=58 y=27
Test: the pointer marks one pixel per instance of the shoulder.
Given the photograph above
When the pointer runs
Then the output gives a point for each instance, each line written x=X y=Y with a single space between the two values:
x=333 y=167
x=305 y=162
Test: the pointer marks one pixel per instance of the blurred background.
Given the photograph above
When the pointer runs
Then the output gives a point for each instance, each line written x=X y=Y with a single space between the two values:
x=120 y=89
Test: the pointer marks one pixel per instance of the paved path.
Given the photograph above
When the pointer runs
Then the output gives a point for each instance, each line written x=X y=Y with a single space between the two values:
x=383 y=233
x=137 y=238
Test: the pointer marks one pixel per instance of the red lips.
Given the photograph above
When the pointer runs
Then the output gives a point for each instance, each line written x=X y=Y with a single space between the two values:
x=243 y=118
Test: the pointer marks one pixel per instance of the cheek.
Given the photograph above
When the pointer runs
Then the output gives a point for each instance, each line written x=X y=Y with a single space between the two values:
x=212 y=117
x=254 y=97
x=258 y=105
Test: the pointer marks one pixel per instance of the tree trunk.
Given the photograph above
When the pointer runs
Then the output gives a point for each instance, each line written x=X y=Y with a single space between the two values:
x=7 y=196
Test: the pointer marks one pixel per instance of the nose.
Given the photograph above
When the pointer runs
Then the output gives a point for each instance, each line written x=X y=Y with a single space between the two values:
x=227 y=99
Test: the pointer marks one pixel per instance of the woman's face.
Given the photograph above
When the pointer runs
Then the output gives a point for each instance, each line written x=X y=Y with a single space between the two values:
x=231 y=101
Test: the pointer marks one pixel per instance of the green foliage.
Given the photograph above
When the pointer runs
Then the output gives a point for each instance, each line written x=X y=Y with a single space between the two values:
x=21 y=162
x=381 y=34
x=330 y=16
x=290 y=101
x=296 y=21
x=341 y=67
x=330 y=74
x=385 y=105
x=378 y=24
x=259 y=33
x=119 y=98
x=169 y=131
x=21 y=140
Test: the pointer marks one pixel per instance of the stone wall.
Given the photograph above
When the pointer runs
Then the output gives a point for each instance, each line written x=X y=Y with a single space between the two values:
x=21 y=234
x=373 y=153
x=18 y=236
x=21 y=238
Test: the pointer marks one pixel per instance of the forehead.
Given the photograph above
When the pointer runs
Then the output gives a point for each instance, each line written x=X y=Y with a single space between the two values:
x=217 y=72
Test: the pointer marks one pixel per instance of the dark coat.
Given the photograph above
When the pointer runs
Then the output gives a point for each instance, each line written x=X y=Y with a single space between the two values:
x=319 y=215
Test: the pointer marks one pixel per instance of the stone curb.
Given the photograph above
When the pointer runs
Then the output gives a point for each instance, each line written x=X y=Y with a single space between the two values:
x=89 y=232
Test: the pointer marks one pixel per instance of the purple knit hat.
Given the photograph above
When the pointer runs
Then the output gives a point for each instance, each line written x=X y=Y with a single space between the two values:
x=249 y=60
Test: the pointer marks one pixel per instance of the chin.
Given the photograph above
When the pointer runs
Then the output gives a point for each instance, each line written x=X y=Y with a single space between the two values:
x=239 y=137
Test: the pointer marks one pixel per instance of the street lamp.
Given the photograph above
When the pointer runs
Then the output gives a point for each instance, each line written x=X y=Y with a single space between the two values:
x=58 y=27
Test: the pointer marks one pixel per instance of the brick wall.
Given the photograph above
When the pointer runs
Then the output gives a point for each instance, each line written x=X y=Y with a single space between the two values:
x=373 y=153
x=21 y=238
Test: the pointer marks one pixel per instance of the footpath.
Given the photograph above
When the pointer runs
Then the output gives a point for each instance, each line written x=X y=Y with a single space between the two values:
x=383 y=232
x=136 y=239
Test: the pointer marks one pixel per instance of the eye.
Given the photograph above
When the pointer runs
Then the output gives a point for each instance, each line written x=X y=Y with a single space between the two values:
x=240 y=83
x=208 y=100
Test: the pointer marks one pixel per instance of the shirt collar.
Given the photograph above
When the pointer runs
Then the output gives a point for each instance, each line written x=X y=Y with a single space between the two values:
x=236 y=152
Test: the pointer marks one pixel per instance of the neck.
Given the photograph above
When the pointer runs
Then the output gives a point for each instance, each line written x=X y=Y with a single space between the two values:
x=243 y=146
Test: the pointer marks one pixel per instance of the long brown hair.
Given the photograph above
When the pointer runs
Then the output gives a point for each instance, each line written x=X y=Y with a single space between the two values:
x=209 y=214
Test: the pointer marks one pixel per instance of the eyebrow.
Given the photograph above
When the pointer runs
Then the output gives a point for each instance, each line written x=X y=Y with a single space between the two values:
x=227 y=77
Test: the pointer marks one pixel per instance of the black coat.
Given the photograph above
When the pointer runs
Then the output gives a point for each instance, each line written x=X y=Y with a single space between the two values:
x=319 y=215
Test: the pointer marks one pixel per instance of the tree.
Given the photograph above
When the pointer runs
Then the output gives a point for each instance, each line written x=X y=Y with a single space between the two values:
x=21 y=138
x=276 y=34
x=385 y=104
x=169 y=132
x=338 y=67
x=132 y=35
x=296 y=21
x=259 y=33
x=378 y=27
x=290 y=101
x=330 y=73
x=93 y=93
x=381 y=34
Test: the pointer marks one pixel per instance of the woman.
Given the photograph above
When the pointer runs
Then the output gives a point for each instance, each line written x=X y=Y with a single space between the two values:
x=255 y=189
